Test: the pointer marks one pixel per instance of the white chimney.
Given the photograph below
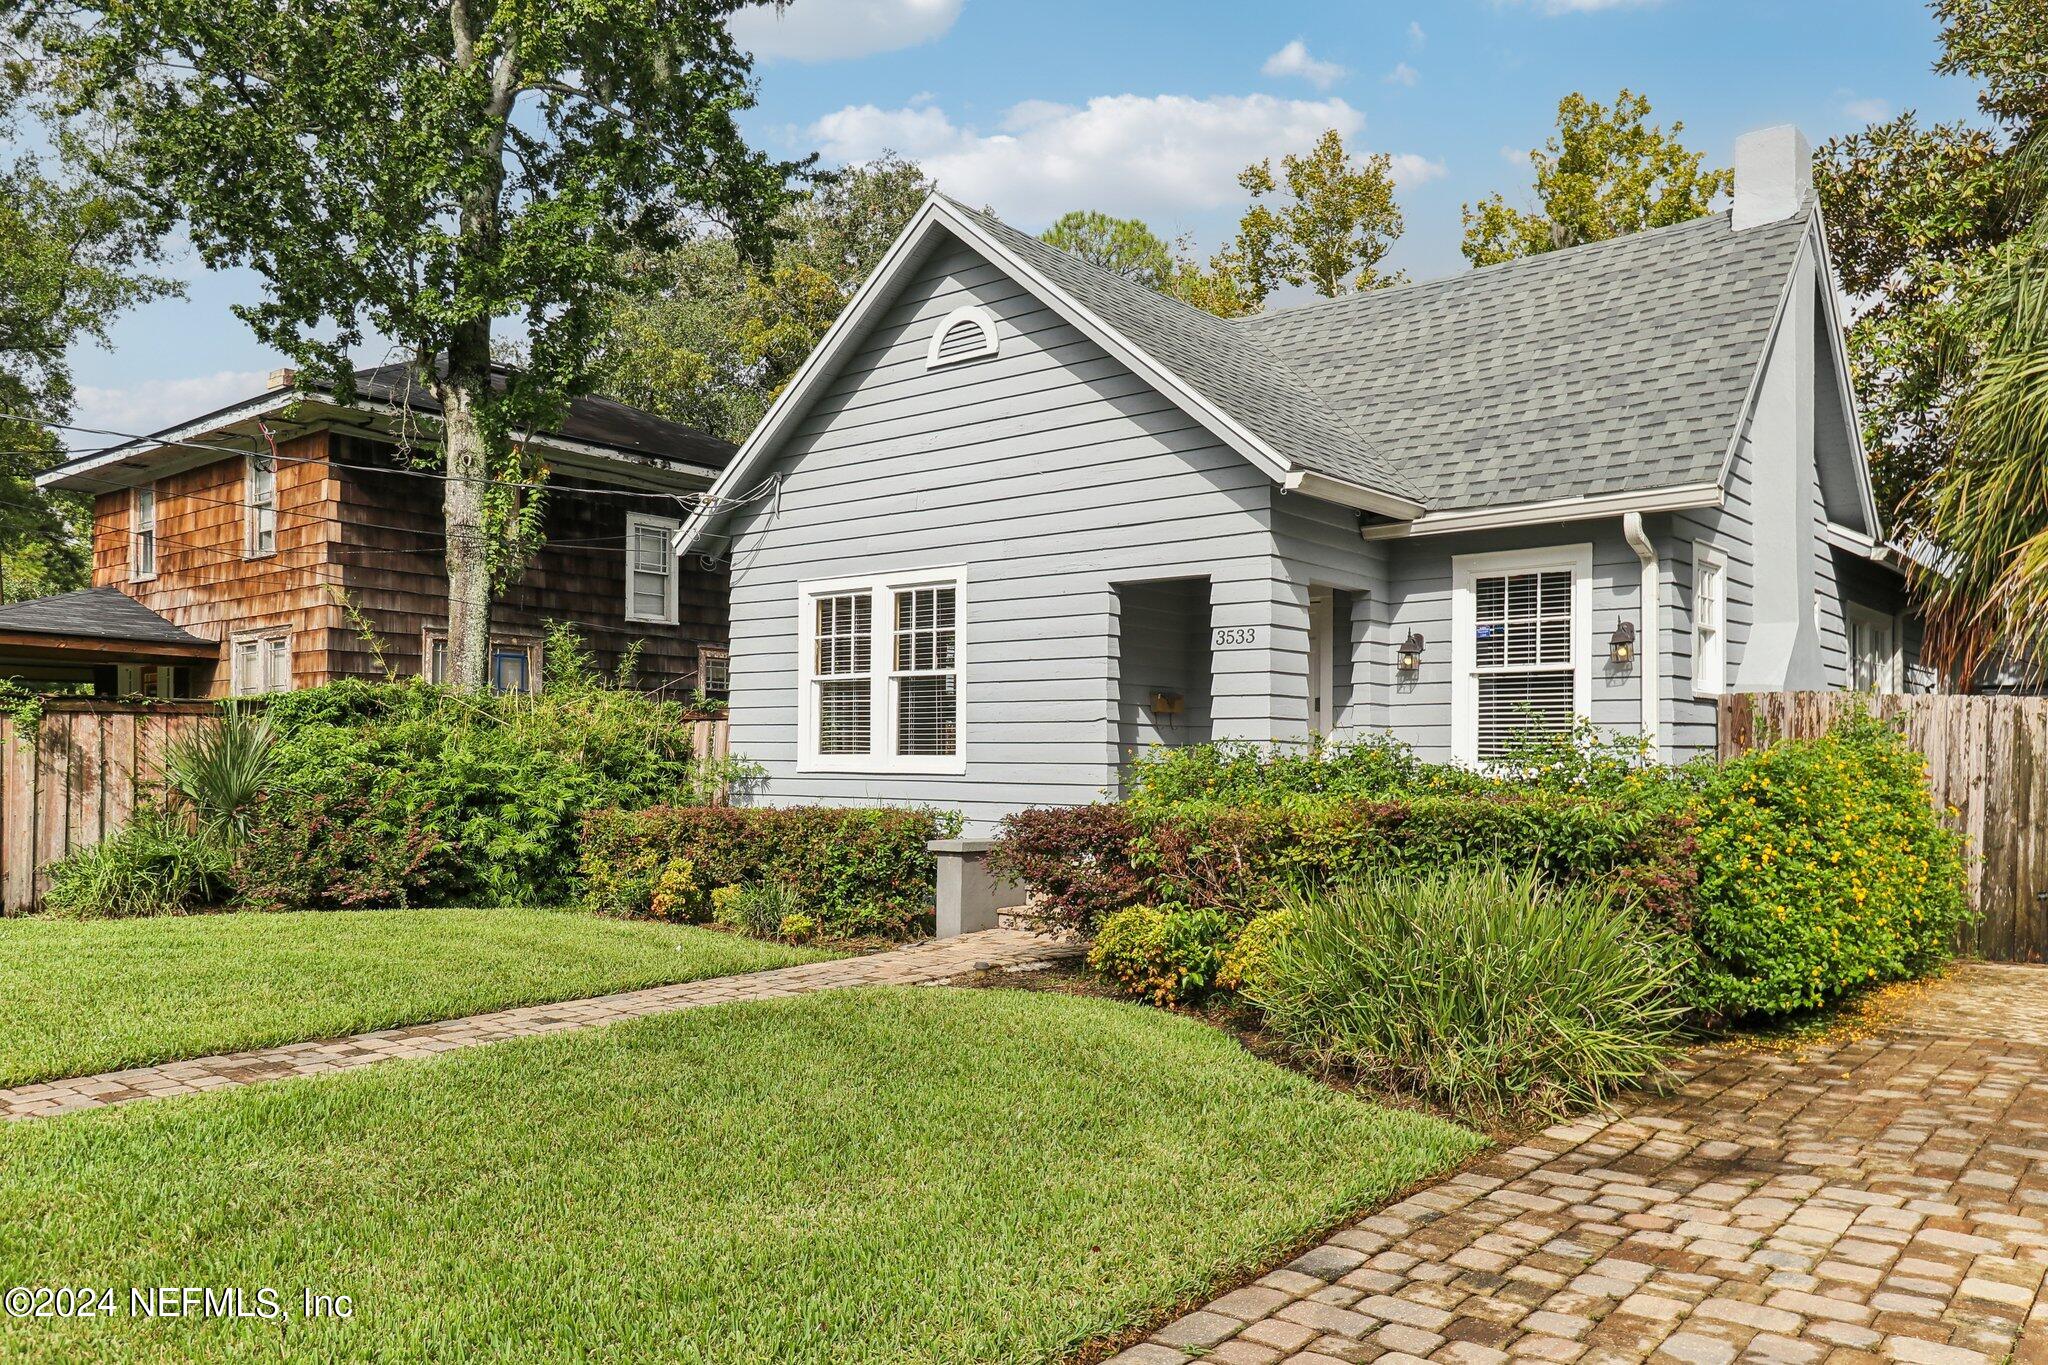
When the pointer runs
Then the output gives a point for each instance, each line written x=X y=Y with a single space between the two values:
x=1773 y=175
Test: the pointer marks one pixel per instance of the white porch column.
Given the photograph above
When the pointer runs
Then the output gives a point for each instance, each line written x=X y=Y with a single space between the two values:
x=1258 y=657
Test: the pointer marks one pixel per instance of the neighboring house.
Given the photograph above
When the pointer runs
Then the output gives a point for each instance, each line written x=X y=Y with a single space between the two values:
x=1029 y=516
x=281 y=542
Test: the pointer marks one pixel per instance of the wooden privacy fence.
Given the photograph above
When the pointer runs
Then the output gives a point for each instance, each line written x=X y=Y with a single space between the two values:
x=1987 y=757
x=77 y=779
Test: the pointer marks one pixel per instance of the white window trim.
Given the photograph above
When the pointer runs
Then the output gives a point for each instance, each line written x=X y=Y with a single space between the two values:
x=1892 y=666
x=259 y=638
x=1705 y=555
x=250 y=507
x=1464 y=620
x=990 y=343
x=156 y=547
x=881 y=695
x=670 y=597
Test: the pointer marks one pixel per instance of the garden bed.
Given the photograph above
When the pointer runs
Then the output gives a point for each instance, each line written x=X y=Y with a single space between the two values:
x=902 y=1175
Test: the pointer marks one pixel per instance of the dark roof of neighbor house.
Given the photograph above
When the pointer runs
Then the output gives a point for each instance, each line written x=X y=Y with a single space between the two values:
x=94 y=614
x=1621 y=365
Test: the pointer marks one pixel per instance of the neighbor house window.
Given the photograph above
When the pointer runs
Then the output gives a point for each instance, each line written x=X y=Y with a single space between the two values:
x=714 y=670
x=515 y=664
x=963 y=334
x=650 y=569
x=259 y=505
x=883 y=687
x=1709 y=621
x=1873 y=650
x=262 y=663
x=1521 y=661
x=142 y=534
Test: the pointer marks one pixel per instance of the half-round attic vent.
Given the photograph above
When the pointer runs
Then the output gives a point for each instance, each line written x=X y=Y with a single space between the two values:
x=964 y=334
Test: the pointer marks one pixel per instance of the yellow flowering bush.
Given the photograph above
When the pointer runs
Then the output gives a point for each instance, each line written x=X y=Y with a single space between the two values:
x=1822 y=868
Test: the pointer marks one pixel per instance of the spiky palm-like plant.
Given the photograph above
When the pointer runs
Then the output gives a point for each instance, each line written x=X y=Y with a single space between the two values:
x=221 y=770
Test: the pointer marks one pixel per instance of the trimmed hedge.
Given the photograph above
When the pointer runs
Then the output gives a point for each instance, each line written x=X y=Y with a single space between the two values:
x=855 y=871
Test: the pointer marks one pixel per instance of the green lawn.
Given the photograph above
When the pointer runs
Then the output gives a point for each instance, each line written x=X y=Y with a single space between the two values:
x=80 y=997
x=915 y=1174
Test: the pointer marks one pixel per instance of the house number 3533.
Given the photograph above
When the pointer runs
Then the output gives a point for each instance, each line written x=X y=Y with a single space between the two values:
x=1231 y=637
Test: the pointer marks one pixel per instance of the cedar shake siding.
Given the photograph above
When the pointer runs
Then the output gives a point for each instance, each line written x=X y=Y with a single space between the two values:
x=374 y=539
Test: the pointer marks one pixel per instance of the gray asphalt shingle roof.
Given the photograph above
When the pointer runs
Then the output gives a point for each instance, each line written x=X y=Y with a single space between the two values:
x=94 y=614
x=1617 y=366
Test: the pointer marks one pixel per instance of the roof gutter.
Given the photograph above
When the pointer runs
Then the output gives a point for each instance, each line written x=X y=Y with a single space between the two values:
x=1678 y=498
x=1346 y=494
x=1649 y=649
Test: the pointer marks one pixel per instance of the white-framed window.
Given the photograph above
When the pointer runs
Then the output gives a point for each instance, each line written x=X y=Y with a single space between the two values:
x=1709 y=620
x=1521 y=652
x=714 y=670
x=515 y=664
x=1874 y=664
x=261 y=662
x=883 y=672
x=142 y=533
x=259 y=505
x=651 y=569
x=962 y=335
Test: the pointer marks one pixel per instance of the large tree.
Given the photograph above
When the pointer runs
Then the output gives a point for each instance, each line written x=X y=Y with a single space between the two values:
x=1326 y=220
x=71 y=257
x=432 y=171
x=1914 y=212
x=705 y=336
x=1126 y=245
x=1606 y=173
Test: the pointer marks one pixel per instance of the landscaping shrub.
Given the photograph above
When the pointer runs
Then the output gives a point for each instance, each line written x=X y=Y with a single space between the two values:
x=322 y=852
x=1165 y=956
x=221 y=771
x=857 y=872
x=1488 y=991
x=1823 y=868
x=1236 y=772
x=502 y=781
x=1075 y=861
x=761 y=909
x=158 y=865
x=1250 y=954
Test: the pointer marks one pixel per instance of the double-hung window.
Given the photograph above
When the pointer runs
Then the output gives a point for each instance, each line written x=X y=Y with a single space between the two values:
x=259 y=505
x=1709 y=621
x=882 y=685
x=1873 y=649
x=262 y=663
x=650 y=569
x=142 y=534
x=1520 y=649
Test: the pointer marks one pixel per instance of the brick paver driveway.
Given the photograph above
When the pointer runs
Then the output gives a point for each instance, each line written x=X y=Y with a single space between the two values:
x=1886 y=1199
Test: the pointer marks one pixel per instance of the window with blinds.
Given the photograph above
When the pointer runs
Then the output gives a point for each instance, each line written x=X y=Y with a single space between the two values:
x=259 y=505
x=883 y=690
x=1522 y=657
x=925 y=674
x=142 y=540
x=843 y=673
x=963 y=334
x=1709 y=622
x=650 y=569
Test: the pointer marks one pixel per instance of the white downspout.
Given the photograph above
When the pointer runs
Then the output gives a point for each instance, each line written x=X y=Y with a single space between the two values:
x=1649 y=647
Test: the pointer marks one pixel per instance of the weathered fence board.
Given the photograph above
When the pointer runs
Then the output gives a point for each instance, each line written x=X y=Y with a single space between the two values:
x=1987 y=765
x=76 y=780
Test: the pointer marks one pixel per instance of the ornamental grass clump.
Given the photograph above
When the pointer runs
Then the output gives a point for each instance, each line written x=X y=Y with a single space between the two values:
x=1490 y=992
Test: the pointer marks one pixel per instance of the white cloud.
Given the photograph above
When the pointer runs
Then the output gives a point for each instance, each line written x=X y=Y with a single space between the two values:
x=1517 y=157
x=1402 y=74
x=832 y=30
x=1294 y=60
x=1871 y=110
x=1580 y=6
x=155 y=404
x=1416 y=37
x=1155 y=156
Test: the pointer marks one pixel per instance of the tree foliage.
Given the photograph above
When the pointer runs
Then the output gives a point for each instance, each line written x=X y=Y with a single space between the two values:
x=1913 y=213
x=1607 y=173
x=1124 y=245
x=425 y=171
x=1329 y=230
x=700 y=333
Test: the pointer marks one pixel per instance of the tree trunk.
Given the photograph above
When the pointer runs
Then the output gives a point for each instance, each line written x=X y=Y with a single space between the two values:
x=462 y=511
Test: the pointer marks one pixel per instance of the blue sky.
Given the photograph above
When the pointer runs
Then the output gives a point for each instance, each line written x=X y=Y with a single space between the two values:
x=1149 y=108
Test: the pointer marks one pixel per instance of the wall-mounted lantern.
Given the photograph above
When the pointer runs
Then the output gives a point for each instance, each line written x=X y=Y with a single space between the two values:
x=1621 y=646
x=1411 y=652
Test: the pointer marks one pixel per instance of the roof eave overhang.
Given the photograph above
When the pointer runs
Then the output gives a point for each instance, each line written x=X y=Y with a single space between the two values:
x=1347 y=494
x=126 y=464
x=937 y=215
x=1677 y=498
x=56 y=645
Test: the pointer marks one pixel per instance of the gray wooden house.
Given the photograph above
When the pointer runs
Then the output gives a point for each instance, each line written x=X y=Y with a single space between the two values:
x=1018 y=517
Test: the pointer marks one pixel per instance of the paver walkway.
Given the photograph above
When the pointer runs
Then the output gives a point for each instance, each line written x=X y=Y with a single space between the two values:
x=1881 y=1200
x=919 y=964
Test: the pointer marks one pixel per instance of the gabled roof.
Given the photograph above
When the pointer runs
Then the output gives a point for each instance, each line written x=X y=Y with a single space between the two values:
x=95 y=614
x=1610 y=367
x=597 y=438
